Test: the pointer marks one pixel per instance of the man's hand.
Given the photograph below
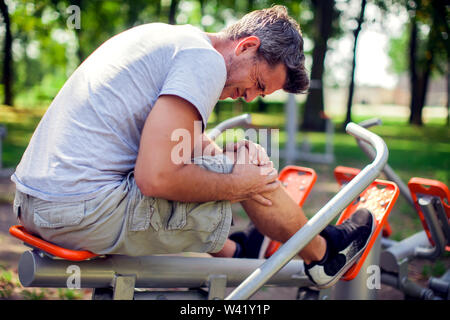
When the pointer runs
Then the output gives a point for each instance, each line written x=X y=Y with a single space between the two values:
x=252 y=180
x=257 y=155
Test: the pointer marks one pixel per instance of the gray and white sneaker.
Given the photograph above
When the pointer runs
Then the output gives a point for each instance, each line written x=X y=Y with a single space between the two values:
x=345 y=244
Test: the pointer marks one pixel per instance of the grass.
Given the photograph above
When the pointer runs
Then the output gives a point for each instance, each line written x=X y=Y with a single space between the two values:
x=11 y=289
x=6 y=283
x=20 y=125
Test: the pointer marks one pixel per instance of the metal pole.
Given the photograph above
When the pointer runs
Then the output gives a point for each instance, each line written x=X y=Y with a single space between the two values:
x=291 y=129
x=390 y=174
x=242 y=120
x=149 y=271
x=329 y=145
x=320 y=220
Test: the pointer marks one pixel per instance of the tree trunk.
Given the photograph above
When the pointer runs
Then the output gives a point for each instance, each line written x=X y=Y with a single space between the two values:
x=7 y=57
x=448 y=93
x=202 y=7
x=419 y=97
x=313 y=114
x=173 y=12
x=420 y=73
x=413 y=76
x=158 y=9
x=250 y=5
x=439 y=16
x=348 y=117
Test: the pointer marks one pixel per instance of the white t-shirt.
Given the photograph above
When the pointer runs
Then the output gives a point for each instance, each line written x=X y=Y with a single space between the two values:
x=88 y=140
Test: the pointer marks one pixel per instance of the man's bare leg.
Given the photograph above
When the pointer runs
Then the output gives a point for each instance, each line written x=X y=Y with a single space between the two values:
x=227 y=251
x=280 y=222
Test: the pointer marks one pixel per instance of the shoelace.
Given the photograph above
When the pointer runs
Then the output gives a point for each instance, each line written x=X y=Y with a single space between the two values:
x=348 y=226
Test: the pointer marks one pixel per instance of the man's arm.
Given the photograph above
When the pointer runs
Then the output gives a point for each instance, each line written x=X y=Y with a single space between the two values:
x=158 y=175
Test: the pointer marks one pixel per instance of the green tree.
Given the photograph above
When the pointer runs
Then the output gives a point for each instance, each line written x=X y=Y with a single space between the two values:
x=40 y=50
x=423 y=50
x=356 y=31
x=7 y=71
x=325 y=27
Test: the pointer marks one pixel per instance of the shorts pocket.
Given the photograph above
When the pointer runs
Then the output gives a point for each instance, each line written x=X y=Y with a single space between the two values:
x=204 y=217
x=142 y=214
x=57 y=215
x=177 y=219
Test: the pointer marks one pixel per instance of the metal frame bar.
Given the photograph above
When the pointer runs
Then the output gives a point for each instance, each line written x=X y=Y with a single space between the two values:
x=427 y=205
x=157 y=271
x=242 y=120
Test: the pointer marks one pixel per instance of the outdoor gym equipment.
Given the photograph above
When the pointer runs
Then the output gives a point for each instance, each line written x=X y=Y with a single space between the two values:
x=430 y=199
x=122 y=277
x=292 y=153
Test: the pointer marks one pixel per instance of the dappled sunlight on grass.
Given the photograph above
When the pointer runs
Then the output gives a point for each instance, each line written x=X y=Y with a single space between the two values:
x=20 y=125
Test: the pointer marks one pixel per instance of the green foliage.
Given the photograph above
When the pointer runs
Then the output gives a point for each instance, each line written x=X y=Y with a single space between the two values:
x=435 y=269
x=20 y=125
x=34 y=294
x=432 y=38
x=69 y=294
x=398 y=53
x=46 y=50
x=6 y=283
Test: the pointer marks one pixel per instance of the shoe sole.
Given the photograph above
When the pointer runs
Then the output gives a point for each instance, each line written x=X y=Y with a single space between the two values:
x=264 y=245
x=350 y=263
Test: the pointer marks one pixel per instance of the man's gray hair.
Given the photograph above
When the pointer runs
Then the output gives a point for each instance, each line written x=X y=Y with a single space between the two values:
x=281 y=41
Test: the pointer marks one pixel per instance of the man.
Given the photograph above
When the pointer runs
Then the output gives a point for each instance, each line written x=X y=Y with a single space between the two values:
x=99 y=172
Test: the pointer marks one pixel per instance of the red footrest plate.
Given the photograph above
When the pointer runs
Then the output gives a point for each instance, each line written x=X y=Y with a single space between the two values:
x=379 y=198
x=422 y=186
x=298 y=182
x=343 y=175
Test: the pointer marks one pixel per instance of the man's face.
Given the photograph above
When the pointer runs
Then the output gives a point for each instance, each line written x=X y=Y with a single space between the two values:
x=249 y=77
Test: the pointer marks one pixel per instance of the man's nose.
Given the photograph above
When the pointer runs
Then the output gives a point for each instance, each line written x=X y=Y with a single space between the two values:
x=250 y=95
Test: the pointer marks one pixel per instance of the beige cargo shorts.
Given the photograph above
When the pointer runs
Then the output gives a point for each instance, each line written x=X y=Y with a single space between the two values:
x=124 y=221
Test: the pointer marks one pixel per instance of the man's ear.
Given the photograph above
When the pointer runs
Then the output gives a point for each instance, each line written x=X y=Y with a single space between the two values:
x=247 y=44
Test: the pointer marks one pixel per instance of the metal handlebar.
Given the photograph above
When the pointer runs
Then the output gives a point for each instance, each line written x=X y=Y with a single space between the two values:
x=388 y=171
x=321 y=219
x=370 y=123
x=241 y=120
